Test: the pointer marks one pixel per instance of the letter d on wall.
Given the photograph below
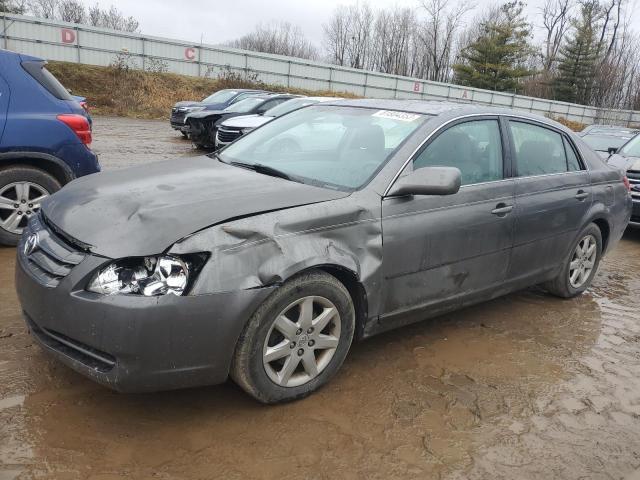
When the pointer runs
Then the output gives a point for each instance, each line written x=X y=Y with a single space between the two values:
x=68 y=36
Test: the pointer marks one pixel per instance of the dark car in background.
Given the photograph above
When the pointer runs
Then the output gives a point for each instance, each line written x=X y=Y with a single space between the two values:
x=44 y=140
x=216 y=101
x=203 y=125
x=627 y=159
x=335 y=222
x=606 y=139
x=232 y=128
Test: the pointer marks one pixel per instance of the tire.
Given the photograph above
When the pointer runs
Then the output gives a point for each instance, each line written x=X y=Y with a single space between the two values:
x=40 y=184
x=261 y=335
x=562 y=286
x=184 y=134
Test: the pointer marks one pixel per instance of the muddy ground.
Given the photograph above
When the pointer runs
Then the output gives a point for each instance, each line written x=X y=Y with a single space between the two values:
x=527 y=386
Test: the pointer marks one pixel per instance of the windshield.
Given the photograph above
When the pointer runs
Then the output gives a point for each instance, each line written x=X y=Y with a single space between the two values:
x=603 y=142
x=221 y=96
x=632 y=147
x=328 y=146
x=289 y=106
x=245 y=105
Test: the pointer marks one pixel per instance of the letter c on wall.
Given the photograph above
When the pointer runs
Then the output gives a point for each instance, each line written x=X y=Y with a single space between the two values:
x=190 y=53
x=68 y=35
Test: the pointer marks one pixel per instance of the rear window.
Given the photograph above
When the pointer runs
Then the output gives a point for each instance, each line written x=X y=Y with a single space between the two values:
x=45 y=78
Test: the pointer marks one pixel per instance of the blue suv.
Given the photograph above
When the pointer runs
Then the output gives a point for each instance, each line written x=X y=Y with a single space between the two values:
x=44 y=140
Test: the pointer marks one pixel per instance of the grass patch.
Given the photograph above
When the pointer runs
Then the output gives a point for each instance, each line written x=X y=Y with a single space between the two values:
x=128 y=92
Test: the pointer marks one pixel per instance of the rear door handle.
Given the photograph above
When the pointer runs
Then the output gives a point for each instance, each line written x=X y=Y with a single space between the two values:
x=581 y=195
x=502 y=209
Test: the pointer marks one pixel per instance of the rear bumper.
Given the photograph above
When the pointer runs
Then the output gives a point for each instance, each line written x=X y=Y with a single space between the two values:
x=131 y=343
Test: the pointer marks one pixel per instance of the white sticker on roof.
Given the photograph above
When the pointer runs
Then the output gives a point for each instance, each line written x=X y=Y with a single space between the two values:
x=394 y=115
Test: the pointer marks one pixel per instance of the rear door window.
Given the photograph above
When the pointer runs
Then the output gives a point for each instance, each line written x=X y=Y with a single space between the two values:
x=45 y=78
x=539 y=150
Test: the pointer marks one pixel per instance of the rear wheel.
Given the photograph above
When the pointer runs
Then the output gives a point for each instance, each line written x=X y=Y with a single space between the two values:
x=297 y=339
x=22 y=189
x=580 y=266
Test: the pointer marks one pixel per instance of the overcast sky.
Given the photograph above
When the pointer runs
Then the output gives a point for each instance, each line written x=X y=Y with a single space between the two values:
x=219 y=21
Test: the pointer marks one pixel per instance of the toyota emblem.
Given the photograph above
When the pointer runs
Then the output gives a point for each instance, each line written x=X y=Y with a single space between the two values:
x=31 y=244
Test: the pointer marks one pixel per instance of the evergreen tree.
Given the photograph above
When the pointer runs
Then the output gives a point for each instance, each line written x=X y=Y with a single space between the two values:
x=579 y=57
x=498 y=56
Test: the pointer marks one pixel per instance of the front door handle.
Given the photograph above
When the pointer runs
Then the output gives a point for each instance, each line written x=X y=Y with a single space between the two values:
x=502 y=209
x=581 y=195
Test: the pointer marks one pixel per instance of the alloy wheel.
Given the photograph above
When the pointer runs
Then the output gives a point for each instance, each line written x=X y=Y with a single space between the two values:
x=301 y=341
x=18 y=202
x=582 y=261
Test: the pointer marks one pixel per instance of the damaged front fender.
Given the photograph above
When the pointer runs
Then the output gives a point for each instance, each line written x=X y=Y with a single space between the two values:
x=267 y=249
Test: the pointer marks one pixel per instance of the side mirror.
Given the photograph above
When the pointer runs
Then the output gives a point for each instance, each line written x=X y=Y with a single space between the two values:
x=428 y=181
x=612 y=150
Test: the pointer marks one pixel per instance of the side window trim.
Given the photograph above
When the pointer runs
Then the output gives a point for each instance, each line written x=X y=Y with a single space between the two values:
x=514 y=118
x=461 y=121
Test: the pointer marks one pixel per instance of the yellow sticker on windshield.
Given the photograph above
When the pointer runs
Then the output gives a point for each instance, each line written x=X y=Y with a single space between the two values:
x=395 y=115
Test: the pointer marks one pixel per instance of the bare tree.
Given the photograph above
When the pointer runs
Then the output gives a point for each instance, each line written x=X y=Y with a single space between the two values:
x=111 y=18
x=348 y=35
x=555 y=22
x=44 y=8
x=281 y=38
x=71 y=11
x=337 y=35
x=437 y=35
x=13 y=6
x=393 y=41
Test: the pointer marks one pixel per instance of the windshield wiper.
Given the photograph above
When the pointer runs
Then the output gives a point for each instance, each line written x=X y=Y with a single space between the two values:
x=265 y=169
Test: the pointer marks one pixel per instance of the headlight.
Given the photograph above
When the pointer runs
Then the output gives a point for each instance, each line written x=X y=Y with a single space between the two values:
x=246 y=130
x=148 y=276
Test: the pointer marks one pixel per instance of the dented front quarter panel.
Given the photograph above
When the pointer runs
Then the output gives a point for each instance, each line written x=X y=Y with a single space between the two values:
x=267 y=249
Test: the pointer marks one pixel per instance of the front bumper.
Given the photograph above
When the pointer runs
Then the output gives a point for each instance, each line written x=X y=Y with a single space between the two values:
x=132 y=343
x=635 y=213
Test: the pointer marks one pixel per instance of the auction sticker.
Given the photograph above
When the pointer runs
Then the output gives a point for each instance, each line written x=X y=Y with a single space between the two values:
x=394 y=115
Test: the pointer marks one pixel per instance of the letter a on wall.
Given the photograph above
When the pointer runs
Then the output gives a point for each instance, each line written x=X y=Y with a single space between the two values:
x=68 y=35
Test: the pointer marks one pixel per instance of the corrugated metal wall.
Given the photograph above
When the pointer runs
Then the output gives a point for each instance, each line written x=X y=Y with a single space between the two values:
x=98 y=46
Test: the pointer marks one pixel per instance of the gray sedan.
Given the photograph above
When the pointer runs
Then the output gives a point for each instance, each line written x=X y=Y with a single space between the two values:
x=265 y=261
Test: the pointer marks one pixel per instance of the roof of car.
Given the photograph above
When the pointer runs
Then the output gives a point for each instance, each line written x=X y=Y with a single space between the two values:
x=440 y=107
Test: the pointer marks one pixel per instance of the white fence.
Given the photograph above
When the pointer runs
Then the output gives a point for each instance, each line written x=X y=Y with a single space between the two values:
x=70 y=42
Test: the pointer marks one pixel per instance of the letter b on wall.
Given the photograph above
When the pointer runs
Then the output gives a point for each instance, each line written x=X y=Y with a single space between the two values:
x=68 y=36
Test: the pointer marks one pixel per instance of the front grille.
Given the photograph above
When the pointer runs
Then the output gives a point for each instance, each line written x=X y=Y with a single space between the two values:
x=634 y=180
x=47 y=256
x=228 y=135
x=89 y=356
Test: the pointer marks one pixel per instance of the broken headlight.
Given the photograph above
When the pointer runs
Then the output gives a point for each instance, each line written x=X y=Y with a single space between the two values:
x=148 y=276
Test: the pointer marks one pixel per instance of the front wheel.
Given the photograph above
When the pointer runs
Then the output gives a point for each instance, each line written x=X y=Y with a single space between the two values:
x=22 y=189
x=296 y=340
x=580 y=266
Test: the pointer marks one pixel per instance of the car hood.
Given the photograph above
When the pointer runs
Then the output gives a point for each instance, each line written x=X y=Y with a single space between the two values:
x=205 y=113
x=246 y=121
x=624 y=163
x=186 y=104
x=144 y=210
